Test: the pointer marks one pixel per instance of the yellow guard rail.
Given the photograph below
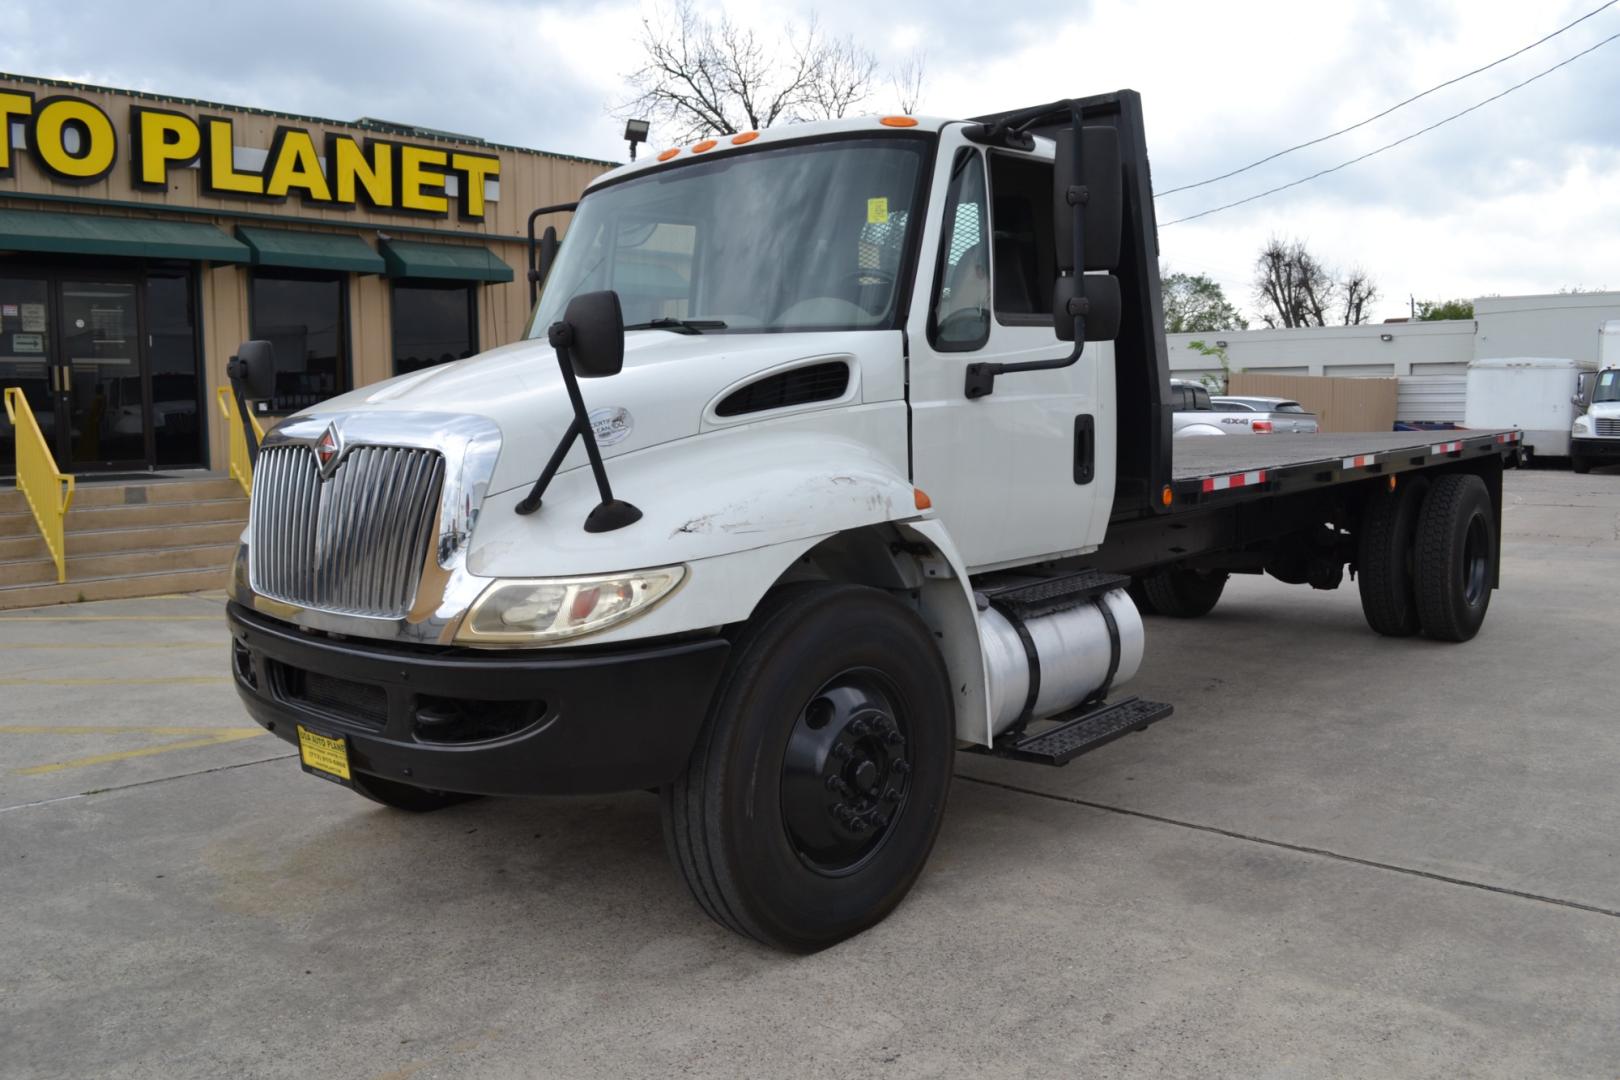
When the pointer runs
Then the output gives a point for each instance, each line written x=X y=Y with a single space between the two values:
x=49 y=492
x=241 y=467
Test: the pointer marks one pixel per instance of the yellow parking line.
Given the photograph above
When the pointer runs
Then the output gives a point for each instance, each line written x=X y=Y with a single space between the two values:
x=172 y=680
x=10 y=647
x=217 y=739
x=112 y=729
x=110 y=618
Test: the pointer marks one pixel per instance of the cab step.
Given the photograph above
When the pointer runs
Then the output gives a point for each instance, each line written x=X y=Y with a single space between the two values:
x=1068 y=739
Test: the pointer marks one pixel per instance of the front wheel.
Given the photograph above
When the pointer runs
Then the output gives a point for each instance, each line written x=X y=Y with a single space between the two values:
x=818 y=782
x=1580 y=464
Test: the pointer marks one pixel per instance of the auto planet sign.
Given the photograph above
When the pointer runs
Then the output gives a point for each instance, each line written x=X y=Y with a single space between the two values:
x=77 y=143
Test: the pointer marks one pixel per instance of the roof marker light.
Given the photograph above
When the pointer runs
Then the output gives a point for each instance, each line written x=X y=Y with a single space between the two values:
x=667 y=154
x=745 y=137
x=898 y=121
x=705 y=146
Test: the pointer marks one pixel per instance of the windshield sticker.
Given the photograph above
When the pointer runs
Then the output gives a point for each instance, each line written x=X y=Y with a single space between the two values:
x=610 y=425
x=877 y=210
x=1607 y=379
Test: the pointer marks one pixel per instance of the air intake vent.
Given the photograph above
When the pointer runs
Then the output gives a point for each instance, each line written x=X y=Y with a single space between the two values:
x=801 y=386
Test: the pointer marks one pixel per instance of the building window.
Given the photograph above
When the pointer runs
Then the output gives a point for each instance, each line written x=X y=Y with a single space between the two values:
x=305 y=318
x=434 y=323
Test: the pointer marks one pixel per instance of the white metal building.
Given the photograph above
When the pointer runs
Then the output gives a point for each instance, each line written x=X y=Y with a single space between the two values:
x=1430 y=358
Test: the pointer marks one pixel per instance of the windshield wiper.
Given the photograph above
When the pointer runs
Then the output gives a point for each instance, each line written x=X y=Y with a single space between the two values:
x=679 y=326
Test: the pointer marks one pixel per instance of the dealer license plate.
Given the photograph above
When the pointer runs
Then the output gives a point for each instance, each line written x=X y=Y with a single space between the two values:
x=324 y=756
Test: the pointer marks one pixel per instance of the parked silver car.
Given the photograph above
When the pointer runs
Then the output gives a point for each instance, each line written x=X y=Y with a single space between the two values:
x=1274 y=414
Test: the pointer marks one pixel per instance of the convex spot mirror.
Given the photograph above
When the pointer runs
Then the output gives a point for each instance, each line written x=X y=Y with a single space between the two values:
x=253 y=368
x=596 y=331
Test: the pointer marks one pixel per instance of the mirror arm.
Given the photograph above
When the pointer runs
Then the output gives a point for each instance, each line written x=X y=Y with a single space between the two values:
x=236 y=371
x=610 y=513
x=540 y=266
x=980 y=380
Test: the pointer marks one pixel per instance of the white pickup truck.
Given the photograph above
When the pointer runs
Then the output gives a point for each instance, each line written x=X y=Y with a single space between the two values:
x=832 y=451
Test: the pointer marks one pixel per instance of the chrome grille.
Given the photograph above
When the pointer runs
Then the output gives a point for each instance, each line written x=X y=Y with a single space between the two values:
x=1605 y=425
x=354 y=543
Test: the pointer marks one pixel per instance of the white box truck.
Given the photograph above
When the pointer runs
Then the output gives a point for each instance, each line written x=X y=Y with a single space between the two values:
x=833 y=450
x=1595 y=434
x=1530 y=394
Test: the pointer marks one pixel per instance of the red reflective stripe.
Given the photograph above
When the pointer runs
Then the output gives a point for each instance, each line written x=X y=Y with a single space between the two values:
x=1223 y=483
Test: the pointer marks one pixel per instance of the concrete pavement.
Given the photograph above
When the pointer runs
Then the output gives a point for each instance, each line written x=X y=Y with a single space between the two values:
x=1344 y=856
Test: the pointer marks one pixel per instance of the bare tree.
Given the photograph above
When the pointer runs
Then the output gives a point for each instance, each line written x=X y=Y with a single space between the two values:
x=1292 y=287
x=907 y=82
x=1357 y=291
x=701 y=77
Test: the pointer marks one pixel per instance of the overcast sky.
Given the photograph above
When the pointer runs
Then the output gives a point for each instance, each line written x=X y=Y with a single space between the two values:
x=1520 y=196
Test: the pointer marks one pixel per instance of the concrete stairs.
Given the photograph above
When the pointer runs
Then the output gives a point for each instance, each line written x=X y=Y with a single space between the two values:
x=124 y=539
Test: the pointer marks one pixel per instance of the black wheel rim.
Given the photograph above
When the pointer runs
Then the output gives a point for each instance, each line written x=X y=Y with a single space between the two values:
x=846 y=772
x=1476 y=561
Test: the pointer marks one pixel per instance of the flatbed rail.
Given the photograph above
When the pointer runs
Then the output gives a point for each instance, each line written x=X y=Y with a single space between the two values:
x=1226 y=469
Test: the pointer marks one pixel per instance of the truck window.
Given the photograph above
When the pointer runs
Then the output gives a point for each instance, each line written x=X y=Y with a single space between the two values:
x=1290 y=407
x=1200 y=398
x=1022 y=251
x=960 y=319
x=1608 y=387
x=787 y=238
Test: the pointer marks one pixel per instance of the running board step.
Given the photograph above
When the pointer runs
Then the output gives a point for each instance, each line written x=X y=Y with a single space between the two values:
x=1062 y=743
x=1046 y=596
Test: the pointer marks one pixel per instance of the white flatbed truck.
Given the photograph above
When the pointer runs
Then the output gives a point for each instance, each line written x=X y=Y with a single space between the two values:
x=820 y=463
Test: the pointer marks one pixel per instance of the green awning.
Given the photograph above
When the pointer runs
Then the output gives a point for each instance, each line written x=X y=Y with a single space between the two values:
x=457 y=262
x=310 y=250
x=93 y=234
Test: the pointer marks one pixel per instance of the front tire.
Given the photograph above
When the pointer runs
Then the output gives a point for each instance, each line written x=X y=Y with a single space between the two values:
x=1184 y=594
x=1580 y=464
x=1453 y=557
x=817 y=785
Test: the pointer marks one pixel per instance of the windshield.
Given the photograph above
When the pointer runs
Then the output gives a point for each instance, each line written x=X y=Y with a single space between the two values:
x=803 y=237
x=1608 y=387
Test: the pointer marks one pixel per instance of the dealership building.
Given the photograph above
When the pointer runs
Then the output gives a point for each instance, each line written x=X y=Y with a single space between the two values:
x=143 y=237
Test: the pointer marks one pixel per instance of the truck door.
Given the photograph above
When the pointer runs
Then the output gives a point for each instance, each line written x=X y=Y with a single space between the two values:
x=1029 y=470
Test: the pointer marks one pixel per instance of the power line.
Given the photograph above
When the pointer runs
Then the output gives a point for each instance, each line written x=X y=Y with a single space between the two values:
x=1392 y=108
x=1397 y=142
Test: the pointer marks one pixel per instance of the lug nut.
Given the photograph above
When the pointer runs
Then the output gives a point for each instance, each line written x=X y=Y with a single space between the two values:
x=840 y=751
x=902 y=766
x=893 y=737
x=892 y=795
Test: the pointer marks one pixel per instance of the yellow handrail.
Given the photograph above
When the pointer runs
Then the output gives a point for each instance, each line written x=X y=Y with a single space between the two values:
x=241 y=467
x=49 y=492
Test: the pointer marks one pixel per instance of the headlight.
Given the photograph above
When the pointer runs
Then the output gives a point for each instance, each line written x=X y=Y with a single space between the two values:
x=1582 y=425
x=533 y=612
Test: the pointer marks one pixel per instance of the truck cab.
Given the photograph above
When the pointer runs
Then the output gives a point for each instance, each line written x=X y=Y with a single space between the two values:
x=1595 y=435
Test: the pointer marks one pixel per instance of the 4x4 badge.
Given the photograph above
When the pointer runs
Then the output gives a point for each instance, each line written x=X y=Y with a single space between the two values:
x=327 y=451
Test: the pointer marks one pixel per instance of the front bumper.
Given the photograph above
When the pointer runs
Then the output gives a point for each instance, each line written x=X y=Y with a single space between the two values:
x=1597 y=449
x=560 y=721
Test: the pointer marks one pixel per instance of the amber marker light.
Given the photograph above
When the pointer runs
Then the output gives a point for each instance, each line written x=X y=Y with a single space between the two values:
x=1392 y=483
x=705 y=146
x=921 y=498
x=898 y=121
x=745 y=137
x=1165 y=496
x=667 y=154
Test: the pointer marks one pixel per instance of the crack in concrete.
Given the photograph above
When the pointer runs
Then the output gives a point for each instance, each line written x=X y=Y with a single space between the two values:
x=144 y=783
x=1301 y=848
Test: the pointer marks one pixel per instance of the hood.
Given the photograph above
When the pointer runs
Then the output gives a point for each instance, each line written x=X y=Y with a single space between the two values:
x=667 y=391
x=1608 y=410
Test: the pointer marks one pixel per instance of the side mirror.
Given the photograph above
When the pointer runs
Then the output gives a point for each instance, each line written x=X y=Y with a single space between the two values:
x=1578 y=401
x=1096 y=296
x=1101 y=189
x=593 y=332
x=548 y=255
x=253 y=369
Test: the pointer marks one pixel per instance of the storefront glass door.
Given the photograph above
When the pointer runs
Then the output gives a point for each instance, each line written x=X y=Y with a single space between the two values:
x=108 y=363
x=100 y=392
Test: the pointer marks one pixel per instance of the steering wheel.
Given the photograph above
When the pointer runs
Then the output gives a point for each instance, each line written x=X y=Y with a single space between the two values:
x=884 y=277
